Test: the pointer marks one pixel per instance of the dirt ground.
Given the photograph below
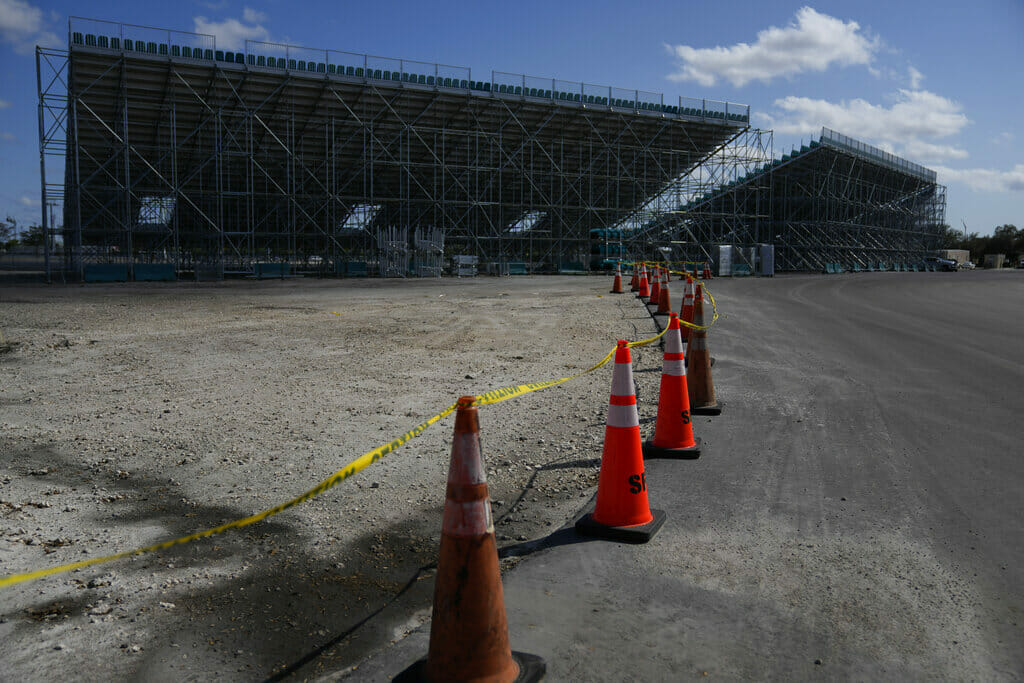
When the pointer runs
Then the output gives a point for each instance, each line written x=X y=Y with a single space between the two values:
x=130 y=414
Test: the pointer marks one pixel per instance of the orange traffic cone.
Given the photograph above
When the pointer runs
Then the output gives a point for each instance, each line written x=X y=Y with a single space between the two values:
x=686 y=311
x=698 y=364
x=655 y=286
x=644 y=292
x=634 y=282
x=664 y=300
x=622 y=512
x=468 y=629
x=673 y=433
x=707 y=271
x=617 y=285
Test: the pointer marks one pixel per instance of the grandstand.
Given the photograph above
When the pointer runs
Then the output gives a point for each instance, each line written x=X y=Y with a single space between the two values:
x=834 y=201
x=182 y=159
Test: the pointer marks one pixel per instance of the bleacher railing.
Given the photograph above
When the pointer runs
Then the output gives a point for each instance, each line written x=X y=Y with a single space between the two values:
x=840 y=141
x=296 y=58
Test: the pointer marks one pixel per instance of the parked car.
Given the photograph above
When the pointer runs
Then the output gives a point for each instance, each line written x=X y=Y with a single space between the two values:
x=1020 y=264
x=967 y=265
x=940 y=263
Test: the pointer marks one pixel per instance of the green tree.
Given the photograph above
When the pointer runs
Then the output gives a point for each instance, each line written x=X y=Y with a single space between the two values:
x=951 y=239
x=8 y=232
x=34 y=237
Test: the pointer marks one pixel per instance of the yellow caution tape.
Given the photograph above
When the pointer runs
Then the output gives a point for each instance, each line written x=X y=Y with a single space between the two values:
x=354 y=467
x=357 y=465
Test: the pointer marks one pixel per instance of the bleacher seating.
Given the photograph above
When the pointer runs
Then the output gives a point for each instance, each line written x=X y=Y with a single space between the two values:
x=266 y=61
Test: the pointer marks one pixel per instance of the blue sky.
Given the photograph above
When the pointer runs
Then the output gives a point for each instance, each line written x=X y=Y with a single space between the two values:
x=939 y=83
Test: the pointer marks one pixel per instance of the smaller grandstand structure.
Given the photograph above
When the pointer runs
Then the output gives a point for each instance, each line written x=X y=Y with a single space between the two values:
x=836 y=200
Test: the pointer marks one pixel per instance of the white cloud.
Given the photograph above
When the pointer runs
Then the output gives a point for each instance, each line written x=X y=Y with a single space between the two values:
x=231 y=34
x=4 y=104
x=812 y=43
x=25 y=200
x=7 y=137
x=906 y=127
x=1003 y=138
x=915 y=78
x=919 y=150
x=23 y=27
x=984 y=179
x=253 y=16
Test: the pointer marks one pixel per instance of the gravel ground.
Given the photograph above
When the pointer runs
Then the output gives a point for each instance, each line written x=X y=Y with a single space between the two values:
x=135 y=413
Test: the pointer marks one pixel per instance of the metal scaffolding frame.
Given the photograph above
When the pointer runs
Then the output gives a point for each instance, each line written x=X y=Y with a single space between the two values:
x=210 y=165
x=680 y=225
x=837 y=200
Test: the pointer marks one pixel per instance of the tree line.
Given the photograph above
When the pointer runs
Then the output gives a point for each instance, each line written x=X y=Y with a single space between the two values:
x=1006 y=239
x=12 y=236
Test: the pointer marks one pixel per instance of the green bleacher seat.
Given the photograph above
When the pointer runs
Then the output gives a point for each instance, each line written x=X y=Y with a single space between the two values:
x=76 y=38
x=487 y=87
x=261 y=60
x=386 y=75
x=102 y=41
x=151 y=47
x=207 y=54
x=430 y=80
x=301 y=65
x=321 y=68
x=377 y=74
x=448 y=83
x=186 y=51
x=239 y=58
x=115 y=43
x=576 y=97
x=421 y=79
x=219 y=55
x=501 y=87
x=464 y=84
x=128 y=44
x=90 y=40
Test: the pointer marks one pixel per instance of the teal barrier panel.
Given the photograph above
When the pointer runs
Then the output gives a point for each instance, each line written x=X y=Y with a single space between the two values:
x=106 y=272
x=516 y=268
x=356 y=269
x=571 y=268
x=155 y=272
x=269 y=270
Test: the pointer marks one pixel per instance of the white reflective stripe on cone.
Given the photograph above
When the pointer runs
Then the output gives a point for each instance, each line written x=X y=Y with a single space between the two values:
x=673 y=342
x=622 y=380
x=676 y=368
x=623 y=416
x=472 y=518
x=468 y=469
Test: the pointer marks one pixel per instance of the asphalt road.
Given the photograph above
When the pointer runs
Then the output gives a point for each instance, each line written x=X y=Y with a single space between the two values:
x=856 y=511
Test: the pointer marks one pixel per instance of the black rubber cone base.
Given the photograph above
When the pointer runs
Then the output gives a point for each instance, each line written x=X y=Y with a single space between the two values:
x=642 y=533
x=686 y=363
x=614 y=292
x=531 y=668
x=715 y=409
x=652 y=451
